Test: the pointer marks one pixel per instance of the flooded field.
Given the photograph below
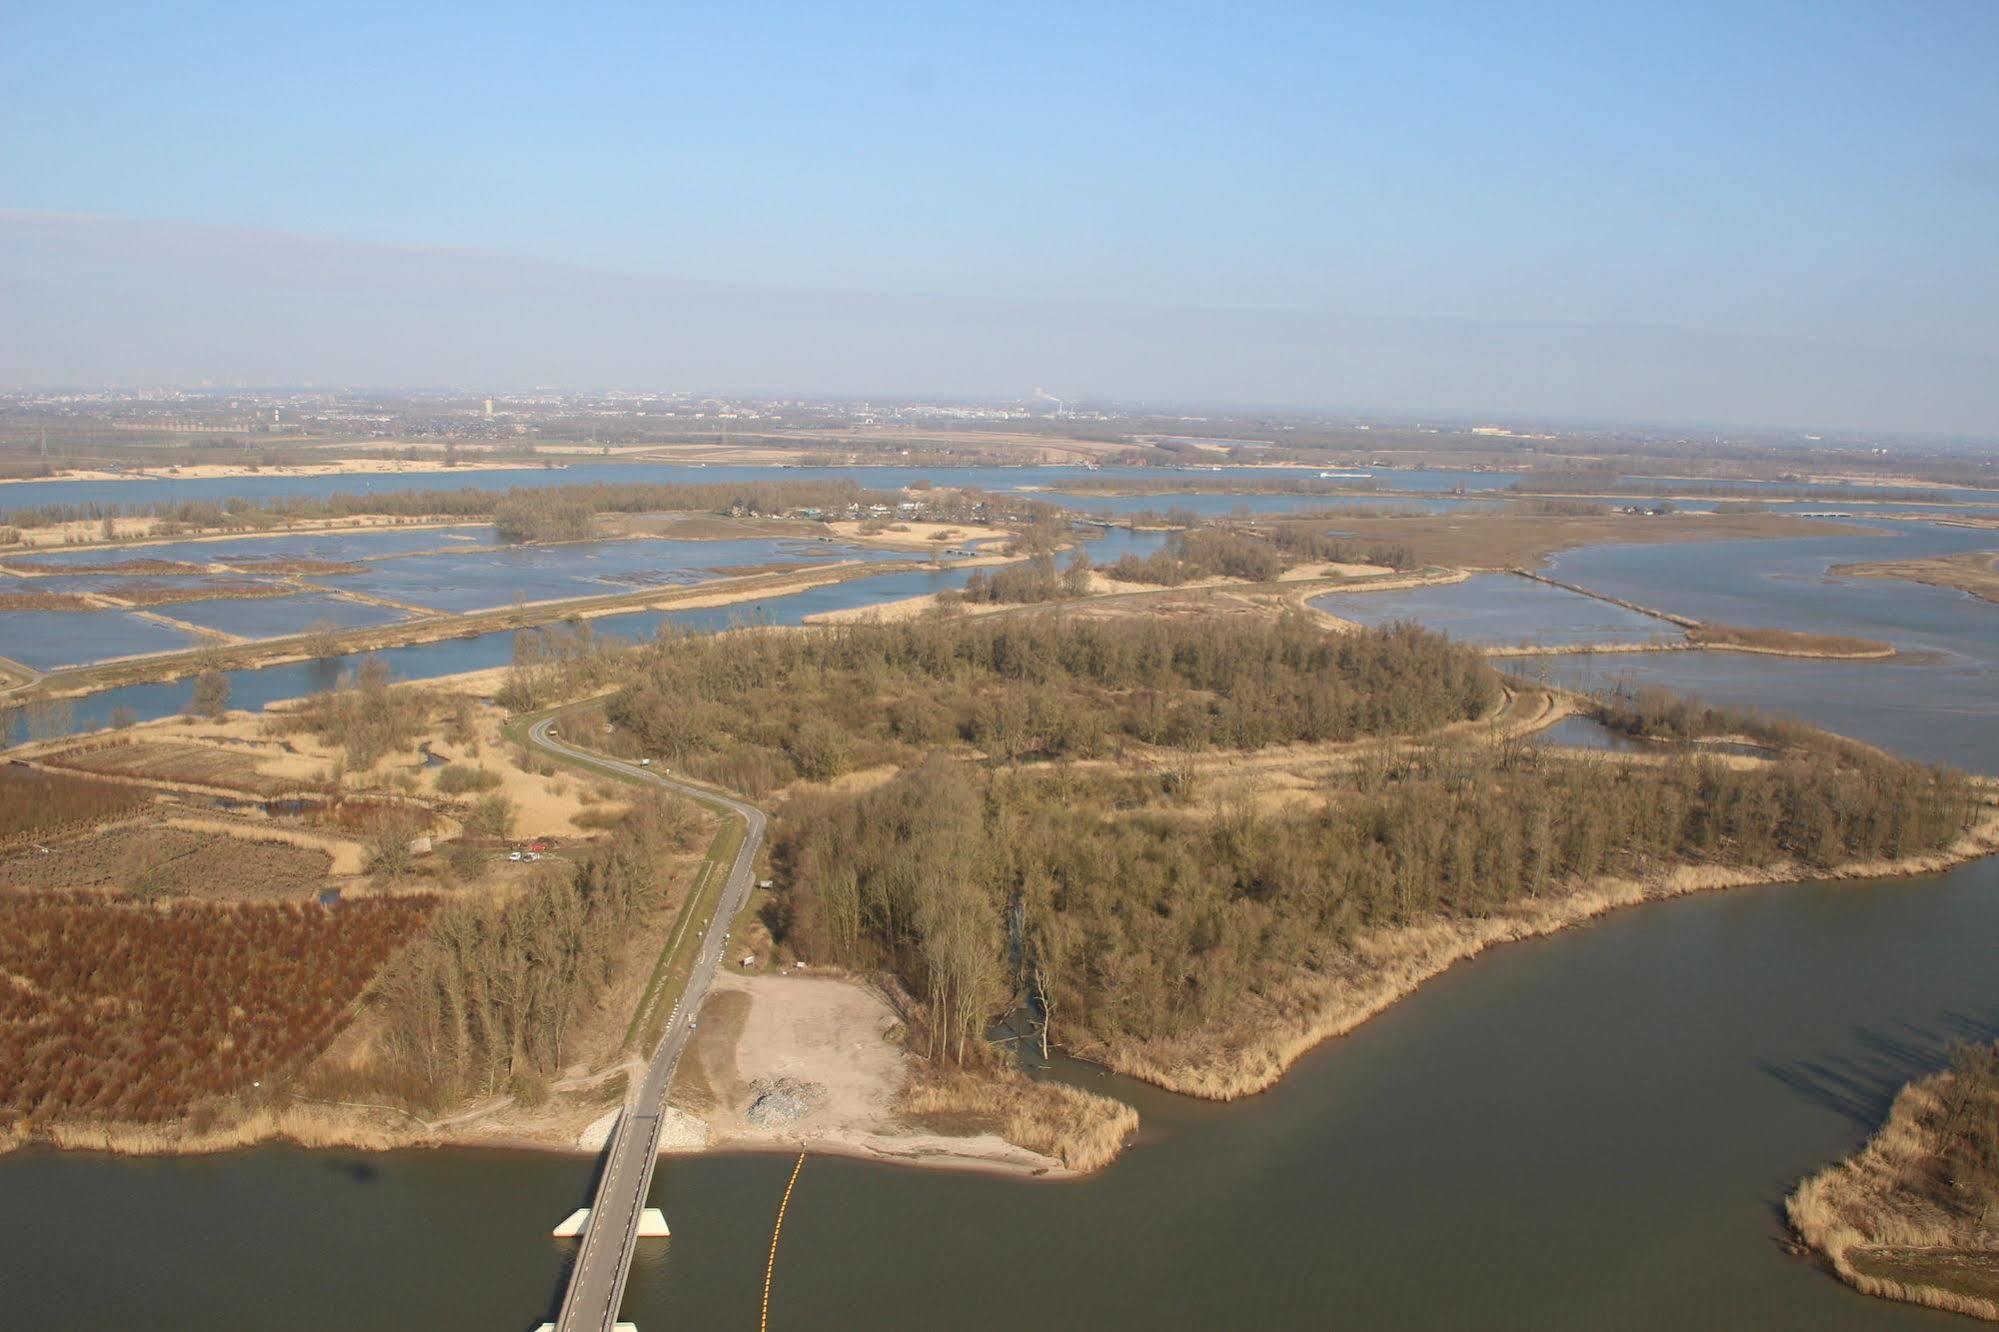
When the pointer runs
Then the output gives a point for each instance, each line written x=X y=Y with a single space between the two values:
x=418 y=571
x=46 y=640
x=277 y=617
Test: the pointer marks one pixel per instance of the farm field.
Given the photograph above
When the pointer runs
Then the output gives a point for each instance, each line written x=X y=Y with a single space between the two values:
x=127 y=1012
x=176 y=761
x=150 y=861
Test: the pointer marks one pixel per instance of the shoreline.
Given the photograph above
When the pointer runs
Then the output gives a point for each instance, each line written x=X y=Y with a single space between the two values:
x=1861 y=1206
x=1686 y=645
x=323 y=1126
x=1319 y=1010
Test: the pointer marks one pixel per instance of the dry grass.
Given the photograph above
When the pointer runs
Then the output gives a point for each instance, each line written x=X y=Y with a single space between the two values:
x=141 y=593
x=138 y=565
x=1080 y=1129
x=276 y=564
x=1882 y=1234
x=1972 y=571
x=176 y=762
x=304 y=1123
x=44 y=601
x=1786 y=642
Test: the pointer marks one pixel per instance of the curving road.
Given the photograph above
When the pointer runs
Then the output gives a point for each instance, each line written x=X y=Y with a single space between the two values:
x=597 y=1282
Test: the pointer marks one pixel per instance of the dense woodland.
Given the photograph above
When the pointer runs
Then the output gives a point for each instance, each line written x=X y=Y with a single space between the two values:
x=1034 y=579
x=1133 y=915
x=1965 y=1169
x=491 y=995
x=1215 y=550
x=754 y=712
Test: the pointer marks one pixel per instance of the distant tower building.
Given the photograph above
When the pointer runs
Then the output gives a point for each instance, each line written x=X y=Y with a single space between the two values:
x=489 y=409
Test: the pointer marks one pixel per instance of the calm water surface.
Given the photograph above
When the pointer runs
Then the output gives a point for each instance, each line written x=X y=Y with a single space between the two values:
x=1499 y=609
x=1588 y=1131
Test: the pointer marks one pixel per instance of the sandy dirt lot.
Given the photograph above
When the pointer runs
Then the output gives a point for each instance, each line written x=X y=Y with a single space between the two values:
x=825 y=1045
x=910 y=535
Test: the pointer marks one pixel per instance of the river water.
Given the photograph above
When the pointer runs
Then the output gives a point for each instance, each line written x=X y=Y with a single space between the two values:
x=1587 y=1131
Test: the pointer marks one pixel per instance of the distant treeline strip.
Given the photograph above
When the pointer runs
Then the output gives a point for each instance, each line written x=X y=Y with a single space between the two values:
x=758 y=497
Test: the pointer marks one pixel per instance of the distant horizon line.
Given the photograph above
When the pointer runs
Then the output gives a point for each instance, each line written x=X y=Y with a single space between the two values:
x=1350 y=418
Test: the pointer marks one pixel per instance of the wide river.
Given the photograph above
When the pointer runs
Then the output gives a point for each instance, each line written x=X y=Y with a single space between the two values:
x=1587 y=1131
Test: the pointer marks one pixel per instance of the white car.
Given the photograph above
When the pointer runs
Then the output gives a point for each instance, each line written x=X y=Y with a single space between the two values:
x=513 y=855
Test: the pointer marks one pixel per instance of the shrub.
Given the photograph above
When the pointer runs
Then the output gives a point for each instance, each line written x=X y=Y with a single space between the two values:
x=462 y=778
x=491 y=816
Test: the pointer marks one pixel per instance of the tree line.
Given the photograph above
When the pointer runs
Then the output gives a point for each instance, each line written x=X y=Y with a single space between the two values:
x=530 y=503
x=1129 y=915
x=490 y=995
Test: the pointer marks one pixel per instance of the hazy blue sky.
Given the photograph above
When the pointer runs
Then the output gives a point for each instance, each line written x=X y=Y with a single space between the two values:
x=1818 y=177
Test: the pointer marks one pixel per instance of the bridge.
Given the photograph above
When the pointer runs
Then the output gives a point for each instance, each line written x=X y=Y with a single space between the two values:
x=617 y=1213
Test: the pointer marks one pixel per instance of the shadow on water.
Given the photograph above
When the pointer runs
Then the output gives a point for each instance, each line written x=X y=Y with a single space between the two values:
x=1859 y=1085
x=360 y=1172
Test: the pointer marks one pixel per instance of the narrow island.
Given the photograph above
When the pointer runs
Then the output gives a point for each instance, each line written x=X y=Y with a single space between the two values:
x=1973 y=571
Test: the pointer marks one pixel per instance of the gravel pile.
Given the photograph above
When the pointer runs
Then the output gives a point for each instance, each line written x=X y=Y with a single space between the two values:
x=775 y=1101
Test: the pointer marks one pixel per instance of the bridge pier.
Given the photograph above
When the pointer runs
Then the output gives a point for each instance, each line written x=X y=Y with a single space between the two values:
x=652 y=1224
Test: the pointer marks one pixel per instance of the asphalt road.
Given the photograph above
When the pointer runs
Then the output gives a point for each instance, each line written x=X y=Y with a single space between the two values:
x=597 y=1282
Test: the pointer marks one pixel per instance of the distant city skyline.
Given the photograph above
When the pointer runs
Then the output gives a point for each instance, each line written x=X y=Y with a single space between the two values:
x=1774 y=214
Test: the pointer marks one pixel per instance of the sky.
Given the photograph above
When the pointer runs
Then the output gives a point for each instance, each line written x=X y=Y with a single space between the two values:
x=1751 y=213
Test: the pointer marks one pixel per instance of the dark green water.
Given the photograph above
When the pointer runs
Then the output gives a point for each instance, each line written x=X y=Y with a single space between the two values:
x=1589 y=1131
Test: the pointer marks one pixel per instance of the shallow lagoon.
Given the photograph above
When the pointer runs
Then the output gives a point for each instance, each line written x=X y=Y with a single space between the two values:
x=1504 y=610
